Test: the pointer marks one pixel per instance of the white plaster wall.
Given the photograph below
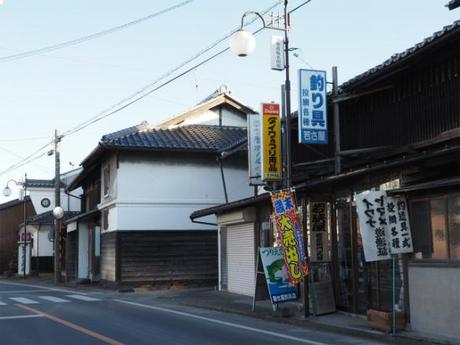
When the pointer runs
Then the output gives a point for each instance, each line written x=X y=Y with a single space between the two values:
x=82 y=251
x=41 y=240
x=230 y=118
x=211 y=117
x=110 y=162
x=435 y=300
x=160 y=194
x=68 y=203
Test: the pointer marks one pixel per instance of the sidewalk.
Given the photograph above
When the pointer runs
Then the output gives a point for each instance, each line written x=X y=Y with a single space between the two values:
x=290 y=313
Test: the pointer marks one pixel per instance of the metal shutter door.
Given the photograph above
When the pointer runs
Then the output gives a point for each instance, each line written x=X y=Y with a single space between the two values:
x=240 y=258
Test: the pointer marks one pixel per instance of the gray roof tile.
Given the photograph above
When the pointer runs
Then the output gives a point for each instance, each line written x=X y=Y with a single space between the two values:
x=186 y=138
x=405 y=54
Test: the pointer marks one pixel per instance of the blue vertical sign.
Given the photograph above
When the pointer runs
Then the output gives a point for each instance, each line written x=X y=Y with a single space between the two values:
x=312 y=107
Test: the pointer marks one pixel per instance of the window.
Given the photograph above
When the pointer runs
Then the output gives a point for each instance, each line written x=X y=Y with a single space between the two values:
x=436 y=228
x=106 y=180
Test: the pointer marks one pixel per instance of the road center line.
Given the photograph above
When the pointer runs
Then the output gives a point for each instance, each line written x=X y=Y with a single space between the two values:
x=225 y=323
x=74 y=326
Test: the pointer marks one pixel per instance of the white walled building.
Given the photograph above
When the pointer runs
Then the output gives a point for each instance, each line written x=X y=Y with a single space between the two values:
x=41 y=226
x=142 y=183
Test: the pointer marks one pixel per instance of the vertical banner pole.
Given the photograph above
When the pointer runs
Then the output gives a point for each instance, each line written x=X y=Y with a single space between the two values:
x=255 y=283
x=394 y=293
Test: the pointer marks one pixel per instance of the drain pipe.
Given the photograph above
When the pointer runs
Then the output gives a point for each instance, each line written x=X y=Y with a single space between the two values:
x=219 y=159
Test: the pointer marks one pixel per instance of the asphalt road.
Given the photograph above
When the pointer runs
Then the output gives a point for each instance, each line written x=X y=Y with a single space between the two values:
x=42 y=315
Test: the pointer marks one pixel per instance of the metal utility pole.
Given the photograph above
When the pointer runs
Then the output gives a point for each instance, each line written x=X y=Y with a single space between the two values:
x=57 y=202
x=335 y=85
x=287 y=91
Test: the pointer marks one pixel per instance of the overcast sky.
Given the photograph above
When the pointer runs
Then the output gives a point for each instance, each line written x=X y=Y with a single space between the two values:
x=63 y=88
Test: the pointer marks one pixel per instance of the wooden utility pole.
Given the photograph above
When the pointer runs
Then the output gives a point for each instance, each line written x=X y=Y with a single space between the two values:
x=57 y=203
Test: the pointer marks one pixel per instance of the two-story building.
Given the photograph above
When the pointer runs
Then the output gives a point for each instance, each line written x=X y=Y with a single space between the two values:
x=141 y=184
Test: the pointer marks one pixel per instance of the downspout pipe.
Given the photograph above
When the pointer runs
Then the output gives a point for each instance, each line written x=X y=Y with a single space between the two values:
x=224 y=185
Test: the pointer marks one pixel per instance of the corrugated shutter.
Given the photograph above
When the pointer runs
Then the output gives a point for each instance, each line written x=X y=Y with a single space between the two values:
x=241 y=258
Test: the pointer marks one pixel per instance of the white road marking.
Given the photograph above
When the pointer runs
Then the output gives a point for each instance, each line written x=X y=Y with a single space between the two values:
x=225 y=323
x=41 y=287
x=54 y=299
x=2 y=303
x=20 y=317
x=23 y=300
x=23 y=291
x=83 y=298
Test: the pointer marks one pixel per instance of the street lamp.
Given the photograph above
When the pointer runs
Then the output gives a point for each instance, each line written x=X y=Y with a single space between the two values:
x=7 y=192
x=242 y=43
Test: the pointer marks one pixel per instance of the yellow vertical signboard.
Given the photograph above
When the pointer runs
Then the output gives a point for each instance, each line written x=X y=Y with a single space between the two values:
x=271 y=142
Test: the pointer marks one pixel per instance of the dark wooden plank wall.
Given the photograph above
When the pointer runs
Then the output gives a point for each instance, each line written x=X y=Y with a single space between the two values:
x=108 y=256
x=168 y=256
x=71 y=252
x=10 y=219
x=420 y=103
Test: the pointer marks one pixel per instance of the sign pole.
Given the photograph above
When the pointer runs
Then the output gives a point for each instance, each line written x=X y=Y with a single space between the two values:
x=394 y=293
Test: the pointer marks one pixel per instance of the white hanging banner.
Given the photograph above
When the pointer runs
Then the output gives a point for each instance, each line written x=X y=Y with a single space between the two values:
x=255 y=149
x=398 y=227
x=370 y=207
x=277 y=53
x=384 y=225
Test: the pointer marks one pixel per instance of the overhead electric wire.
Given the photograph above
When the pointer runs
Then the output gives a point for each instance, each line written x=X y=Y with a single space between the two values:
x=79 y=40
x=29 y=159
x=22 y=139
x=121 y=104
x=104 y=115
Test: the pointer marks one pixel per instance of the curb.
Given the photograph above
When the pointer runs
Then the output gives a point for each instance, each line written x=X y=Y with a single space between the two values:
x=371 y=334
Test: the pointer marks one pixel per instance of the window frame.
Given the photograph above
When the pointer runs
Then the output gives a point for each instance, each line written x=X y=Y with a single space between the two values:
x=430 y=262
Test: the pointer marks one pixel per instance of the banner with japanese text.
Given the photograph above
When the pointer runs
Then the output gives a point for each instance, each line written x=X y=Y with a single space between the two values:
x=312 y=107
x=276 y=276
x=271 y=142
x=319 y=242
x=384 y=225
x=254 y=149
x=290 y=231
x=399 y=233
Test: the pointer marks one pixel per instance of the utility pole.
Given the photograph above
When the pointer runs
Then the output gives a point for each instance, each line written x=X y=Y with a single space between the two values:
x=335 y=91
x=57 y=203
x=24 y=251
x=287 y=91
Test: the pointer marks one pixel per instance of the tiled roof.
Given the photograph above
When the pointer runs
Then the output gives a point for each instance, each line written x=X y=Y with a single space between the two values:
x=48 y=218
x=40 y=183
x=187 y=138
x=14 y=202
x=453 y=4
x=405 y=54
x=231 y=206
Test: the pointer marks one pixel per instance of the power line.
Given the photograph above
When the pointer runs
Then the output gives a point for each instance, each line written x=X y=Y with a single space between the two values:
x=30 y=158
x=138 y=95
x=23 y=139
x=89 y=37
x=103 y=115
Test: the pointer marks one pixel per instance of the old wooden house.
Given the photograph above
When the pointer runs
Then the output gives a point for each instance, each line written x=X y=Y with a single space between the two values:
x=398 y=129
x=12 y=215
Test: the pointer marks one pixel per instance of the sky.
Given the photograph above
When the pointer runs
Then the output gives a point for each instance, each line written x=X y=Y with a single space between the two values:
x=63 y=88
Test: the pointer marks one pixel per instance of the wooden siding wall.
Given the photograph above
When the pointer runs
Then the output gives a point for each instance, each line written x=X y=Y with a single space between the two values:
x=71 y=255
x=10 y=219
x=108 y=256
x=168 y=256
x=420 y=103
